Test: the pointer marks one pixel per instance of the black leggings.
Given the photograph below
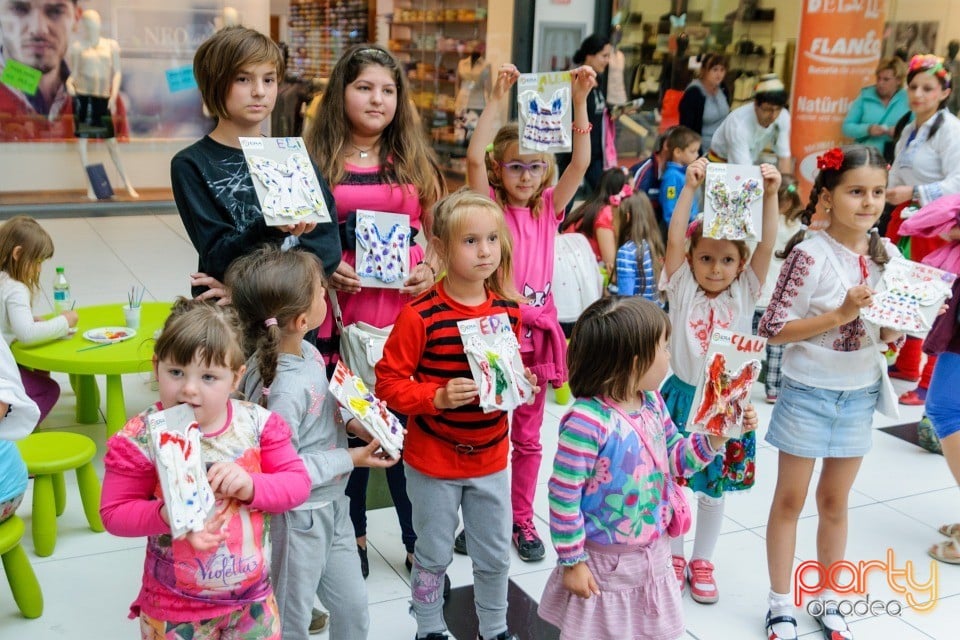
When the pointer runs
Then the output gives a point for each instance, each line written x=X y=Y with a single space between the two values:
x=397 y=483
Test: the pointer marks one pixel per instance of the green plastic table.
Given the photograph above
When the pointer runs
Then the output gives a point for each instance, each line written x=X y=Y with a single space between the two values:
x=68 y=356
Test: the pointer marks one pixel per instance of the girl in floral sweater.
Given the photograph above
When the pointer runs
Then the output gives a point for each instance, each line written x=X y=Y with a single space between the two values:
x=610 y=488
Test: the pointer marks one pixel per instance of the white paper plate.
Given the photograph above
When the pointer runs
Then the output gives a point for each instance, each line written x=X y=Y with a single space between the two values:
x=107 y=335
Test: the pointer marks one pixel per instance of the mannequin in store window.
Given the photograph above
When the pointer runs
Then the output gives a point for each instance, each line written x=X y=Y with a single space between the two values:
x=94 y=84
x=472 y=91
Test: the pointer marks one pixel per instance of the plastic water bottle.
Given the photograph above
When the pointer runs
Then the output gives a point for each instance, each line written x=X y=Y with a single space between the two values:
x=61 y=292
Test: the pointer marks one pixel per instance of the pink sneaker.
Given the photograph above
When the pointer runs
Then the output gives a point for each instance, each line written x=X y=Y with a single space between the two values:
x=703 y=588
x=680 y=568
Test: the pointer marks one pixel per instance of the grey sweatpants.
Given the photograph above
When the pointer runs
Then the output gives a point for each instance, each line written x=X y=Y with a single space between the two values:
x=485 y=503
x=315 y=552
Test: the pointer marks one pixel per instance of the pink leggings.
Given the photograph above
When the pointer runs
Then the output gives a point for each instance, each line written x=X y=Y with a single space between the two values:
x=527 y=451
x=41 y=388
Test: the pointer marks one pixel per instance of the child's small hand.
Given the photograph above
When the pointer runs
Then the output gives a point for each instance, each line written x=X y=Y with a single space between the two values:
x=421 y=278
x=951 y=235
x=212 y=535
x=750 y=419
x=507 y=76
x=696 y=172
x=215 y=289
x=456 y=393
x=298 y=228
x=584 y=79
x=355 y=429
x=71 y=317
x=532 y=379
x=771 y=179
x=857 y=298
x=345 y=279
x=370 y=455
x=579 y=581
x=230 y=480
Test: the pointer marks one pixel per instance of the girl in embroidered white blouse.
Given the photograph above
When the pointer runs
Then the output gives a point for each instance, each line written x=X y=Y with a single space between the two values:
x=834 y=374
x=710 y=284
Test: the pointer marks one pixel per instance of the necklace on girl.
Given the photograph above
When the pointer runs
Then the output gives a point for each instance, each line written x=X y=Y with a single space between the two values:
x=362 y=152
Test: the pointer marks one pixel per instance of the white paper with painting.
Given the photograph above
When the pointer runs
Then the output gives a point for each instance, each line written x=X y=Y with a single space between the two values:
x=354 y=396
x=175 y=444
x=285 y=181
x=383 y=249
x=732 y=366
x=545 y=112
x=733 y=206
x=909 y=297
x=493 y=353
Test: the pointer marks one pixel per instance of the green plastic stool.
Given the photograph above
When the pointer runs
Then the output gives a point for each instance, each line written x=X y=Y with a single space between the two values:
x=20 y=575
x=47 y=455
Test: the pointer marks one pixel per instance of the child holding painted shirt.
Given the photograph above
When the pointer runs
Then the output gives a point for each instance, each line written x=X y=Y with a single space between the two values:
x=215 y=581
x=521 y=186
x=710 y=284
x=454 y=452
x=834 y=375
x=237 y=71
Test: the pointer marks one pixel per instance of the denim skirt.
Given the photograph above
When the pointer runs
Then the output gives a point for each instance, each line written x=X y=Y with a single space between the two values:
x=810 y=422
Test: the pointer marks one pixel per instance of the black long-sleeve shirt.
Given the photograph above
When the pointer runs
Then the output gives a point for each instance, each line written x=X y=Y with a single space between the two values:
x=219 y=208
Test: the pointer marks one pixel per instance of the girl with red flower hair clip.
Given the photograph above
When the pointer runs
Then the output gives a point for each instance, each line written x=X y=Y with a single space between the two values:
x=833 y=375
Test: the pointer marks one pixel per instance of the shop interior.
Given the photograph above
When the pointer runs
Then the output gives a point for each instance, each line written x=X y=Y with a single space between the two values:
x=450 y=49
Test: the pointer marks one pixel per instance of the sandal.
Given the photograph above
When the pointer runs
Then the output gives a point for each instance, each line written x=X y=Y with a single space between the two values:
x=950 y=530
x=834 y=633
x=947 y=551
x=771 y=620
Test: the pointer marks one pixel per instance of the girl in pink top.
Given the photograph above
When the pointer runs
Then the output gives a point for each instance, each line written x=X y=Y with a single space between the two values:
x=521 y=184
x=369 y=144
x=216 y=581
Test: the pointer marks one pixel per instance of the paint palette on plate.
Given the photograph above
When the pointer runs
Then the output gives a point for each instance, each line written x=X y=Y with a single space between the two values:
x=108 y=335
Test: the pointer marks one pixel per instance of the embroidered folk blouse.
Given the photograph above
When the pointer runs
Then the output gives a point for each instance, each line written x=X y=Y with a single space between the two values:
x=809 y=285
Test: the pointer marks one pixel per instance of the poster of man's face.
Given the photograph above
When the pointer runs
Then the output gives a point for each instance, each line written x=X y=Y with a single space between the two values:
x=37 y=32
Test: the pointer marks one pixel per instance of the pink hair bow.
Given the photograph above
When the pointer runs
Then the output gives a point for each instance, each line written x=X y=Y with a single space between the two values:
x=625 y=193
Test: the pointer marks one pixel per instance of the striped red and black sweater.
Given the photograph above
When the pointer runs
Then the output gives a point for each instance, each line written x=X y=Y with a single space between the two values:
x=424 y=351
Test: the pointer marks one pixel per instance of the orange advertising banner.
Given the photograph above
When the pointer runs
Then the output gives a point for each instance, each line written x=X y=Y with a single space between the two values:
x=837 y=54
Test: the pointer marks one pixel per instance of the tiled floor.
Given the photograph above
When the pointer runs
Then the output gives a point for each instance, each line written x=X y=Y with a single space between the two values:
x=901 y=495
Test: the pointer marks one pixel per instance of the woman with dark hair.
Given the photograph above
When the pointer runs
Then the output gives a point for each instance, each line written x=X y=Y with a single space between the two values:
x=926 y=167
x=595 y=51
x=705 y=102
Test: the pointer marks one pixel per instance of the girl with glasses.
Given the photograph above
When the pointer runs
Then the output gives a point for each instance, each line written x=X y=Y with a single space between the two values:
x=522 y=185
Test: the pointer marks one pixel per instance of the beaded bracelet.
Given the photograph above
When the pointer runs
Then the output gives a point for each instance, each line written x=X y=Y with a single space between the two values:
x=586 y=129
x=428 y=266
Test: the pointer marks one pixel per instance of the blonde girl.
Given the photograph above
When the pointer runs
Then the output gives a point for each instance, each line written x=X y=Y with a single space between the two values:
x=710 y=284
x=279 y=296
x=370 y=146
x=640 y=252
x=455 y=454
x=522 y=185
x=833 y=372
x=253 y=470
x=24 y=247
